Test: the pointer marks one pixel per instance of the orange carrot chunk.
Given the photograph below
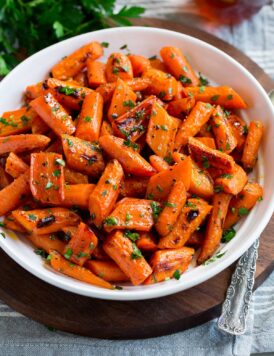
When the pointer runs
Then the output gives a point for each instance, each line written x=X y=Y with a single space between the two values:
x=181 y=107
x=232 y=183
x=146 y=242
x=134 y=187
x=21 y=143
x=77 y=195
x=16 y=122
x=252 y=144
x=96 y=73
x=73 y=177
x=107 y=270
x=118 y=66
x=15 y=166
x=47 y=242
x=140 y=64
x=158 y=163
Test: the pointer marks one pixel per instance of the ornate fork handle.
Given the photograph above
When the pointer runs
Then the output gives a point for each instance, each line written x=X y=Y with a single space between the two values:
x=236 y=305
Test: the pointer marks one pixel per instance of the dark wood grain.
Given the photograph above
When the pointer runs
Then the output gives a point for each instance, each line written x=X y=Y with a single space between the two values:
x=124 y=320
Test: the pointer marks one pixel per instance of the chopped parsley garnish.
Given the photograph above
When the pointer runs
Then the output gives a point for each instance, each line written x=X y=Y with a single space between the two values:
x=177 y=274
x=88 y=119
x=156 y=209
x=129 y=103
x=190 y=204
x=128 y=217
x=68 y=253
x=41 y=252
x=201 y=89
x=233 y=210
x=70 y=143
x=170 y=205
x=111 y=221
x=124 y=46
x=205 y=162
x=105 y=44
x=164 y=127
x=56 y=173
x=67 y=90
x=153 y=57
x=150 y=196
x=2 y=224
x=214 y=258
x=104 y=193
x=133 y=236
x=214 y=97
x=162 y=94
x=136 y=253
x=218 y=189
x=203 y=80
x=226 y=175
x=32 y=217
x=159 y=188
x=228 y=235
x=3 y=235
x=49 y=185
x=115 y=70
x=60 y=161
x=185 y=80
x=230 y=97
x=243 y=211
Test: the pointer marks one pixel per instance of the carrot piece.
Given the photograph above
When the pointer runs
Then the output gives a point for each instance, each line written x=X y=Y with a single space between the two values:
x=123 y=99
x=239 y=129
x=140 y=64
x=132 y=213
x=16 y=122
x=252 y=144
x=134 y=187
x=15 y=166
x=160 y=184
x=214 y=229
x=96 y=73
x=169 y=263
x=38 y=126
x=90 y=118
x=54 y=115
x=55 y=146
x=127 y=256
x=47 y=242
x=60 y=264
x=223 y=96
x=208 y=141
x=201 y=182
x=131 y=161
x=77 y=195
x=147 y=242
x=161 y=84
x=243 y=203
x=198 y=116
x=107 y=270
x=81 y=245
x=73 y=177
x=195 y=240
x=11 y=224
x=224 y=136
x=34 y=90
x=136 y=84
x=13 y=194
x=209 y=157
x=132 y=124
x=191 y=217
x=161 y=131
x=45 y=221
x=68 y=93
x=83 y=156
x=106 y=129
x=172 y=209
x=106 y=192
x=76 y=61
x=232 y=183
x=99 y=254
x=205 y=131
x=181 y=107
x=158 y=163
x=81 y=78
x=21 y=143
x=156 y=63
x=5 y=179
x=118 y=66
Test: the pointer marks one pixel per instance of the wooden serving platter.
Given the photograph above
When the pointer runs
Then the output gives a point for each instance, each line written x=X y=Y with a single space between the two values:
x=124 y=320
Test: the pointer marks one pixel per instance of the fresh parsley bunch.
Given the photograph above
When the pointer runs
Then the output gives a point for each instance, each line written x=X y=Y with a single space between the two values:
x=27 y=26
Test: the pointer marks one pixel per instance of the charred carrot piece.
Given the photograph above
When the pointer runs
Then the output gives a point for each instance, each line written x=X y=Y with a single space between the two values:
x=107 y=270
x=252 y=144
x=21 y=143
x=191 y=217
x=223 y=96
x=158 y=163
x=60 y=264
x=169 y=263
x=73 y=177
x=140 y=64
x=83 y=156
x=146 y=242
x=232 y=183
x=239 y=129
x=72 y=64
x=198 y=116
x=15 y=166
x=134 y=187
x=208 y=141
x=77 y=195
x=47 y=242
x=90 y=118
x=243 y=203
x=195 y=240
x=106 y=192
x=179 y=66
x=181 y=107
x=96 y=73
x=127 y=256
x=118 y=66
x=16 y=122
x=214 y=228
x=131 y=161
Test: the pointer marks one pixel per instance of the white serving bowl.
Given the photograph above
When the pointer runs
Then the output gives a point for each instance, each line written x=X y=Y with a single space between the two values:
x=215 y=65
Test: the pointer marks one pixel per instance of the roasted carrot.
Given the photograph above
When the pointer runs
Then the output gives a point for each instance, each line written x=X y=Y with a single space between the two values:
x=15 y=166
x=131 y=161
x=72 y=64
x=208 y=141
x=158 y=163
x=54 y=115
x=107 y=270
x=60 y=264
x=215 y=224
x=45 y=221
x=198 y=116
x=243 y=203
x=5 y=179
x=127 y=256
x=20 y=143
x=106 y=192
x=73 y=177
x=179 y=66
x=161 y=131
x=239 y=129
x=161 y=84
x=195 y=240
x=172 y=209
x=191 y=217
x=205 y=131
x=252 y=143
x=106 y=128
x=123 y=99
x=34 y=90
x=134 y=187
x=160 y=184
x=140 y=64
x=81 y=78
x=47 y=242
x=232 y=183
x=118 y=66
x=223 y=96
x=209 y=157
x=169 y=263
x=146 y=242
x=38 y=126
x=224 y=135
x=132 y=213
x=181 y=107
x=11 y=224
x=90 y=118
x=83 y=156
x=156 y=63
x=13 y=194
x=96 y=73
x=77 y=195
x=16 y=122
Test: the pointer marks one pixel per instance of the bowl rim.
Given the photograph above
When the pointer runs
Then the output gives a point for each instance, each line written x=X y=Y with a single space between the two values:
x=147 y=293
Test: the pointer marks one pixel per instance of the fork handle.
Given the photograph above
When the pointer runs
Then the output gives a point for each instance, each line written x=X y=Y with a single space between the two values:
x=236 y=305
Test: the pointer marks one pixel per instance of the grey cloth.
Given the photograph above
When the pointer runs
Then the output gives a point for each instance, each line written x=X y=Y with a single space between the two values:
x=21 y=336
